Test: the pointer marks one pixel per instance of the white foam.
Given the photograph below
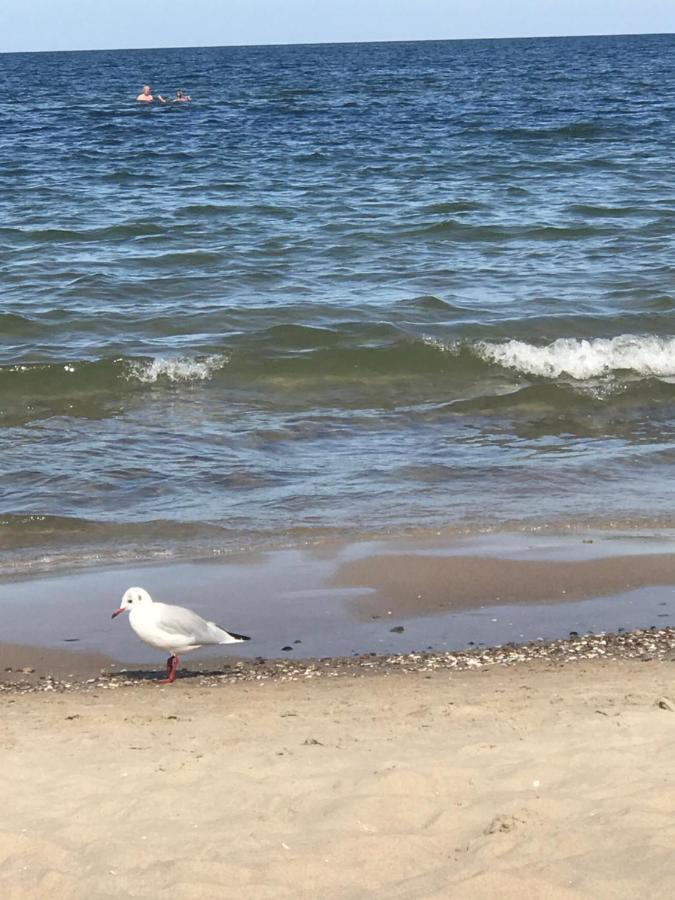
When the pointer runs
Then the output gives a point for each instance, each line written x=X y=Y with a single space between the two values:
x=584 y=359
x=176 y=368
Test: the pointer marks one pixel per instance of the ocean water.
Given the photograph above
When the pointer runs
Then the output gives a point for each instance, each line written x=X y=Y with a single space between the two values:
x=350 y=289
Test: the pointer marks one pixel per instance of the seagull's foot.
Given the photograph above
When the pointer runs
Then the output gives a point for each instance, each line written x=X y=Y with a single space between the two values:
x=171 y=669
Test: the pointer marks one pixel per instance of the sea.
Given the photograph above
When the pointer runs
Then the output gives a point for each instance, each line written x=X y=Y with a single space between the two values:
x=349 y=290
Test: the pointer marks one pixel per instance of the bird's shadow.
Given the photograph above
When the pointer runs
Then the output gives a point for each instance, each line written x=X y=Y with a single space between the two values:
x=158 y=674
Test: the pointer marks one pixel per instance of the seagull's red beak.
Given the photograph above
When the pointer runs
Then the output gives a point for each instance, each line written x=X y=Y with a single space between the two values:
x=117 y=612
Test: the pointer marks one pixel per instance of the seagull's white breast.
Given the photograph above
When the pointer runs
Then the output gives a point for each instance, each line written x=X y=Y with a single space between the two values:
x=158 y=625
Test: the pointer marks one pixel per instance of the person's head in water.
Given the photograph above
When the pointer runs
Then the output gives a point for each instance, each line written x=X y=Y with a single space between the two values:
x=147 y=97
x=181 y=97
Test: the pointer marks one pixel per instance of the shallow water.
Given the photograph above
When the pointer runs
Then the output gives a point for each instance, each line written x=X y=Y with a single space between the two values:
x=349 y=289
x=292 y=605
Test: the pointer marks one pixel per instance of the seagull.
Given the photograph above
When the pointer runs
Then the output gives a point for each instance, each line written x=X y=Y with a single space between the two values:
x=171 y=628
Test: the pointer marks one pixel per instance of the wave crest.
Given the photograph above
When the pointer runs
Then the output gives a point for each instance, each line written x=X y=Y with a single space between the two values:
x=176 y=369
x=583 y=359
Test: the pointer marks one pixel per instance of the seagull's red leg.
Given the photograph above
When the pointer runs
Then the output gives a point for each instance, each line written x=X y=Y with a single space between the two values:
x=171 y=669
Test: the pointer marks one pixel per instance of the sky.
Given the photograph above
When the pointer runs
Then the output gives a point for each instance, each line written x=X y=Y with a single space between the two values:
x=112 y=24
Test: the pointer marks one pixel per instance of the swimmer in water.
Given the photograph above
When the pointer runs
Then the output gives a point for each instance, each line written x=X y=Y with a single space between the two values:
x=147 y=97
x=181 y=97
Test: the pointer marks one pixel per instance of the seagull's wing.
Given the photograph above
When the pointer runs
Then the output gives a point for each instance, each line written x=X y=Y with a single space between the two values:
x=184 y=623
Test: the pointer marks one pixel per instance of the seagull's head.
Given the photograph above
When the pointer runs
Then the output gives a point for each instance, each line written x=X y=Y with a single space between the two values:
x=133 y=597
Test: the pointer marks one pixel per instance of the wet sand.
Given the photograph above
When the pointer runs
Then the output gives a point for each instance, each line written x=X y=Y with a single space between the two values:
x=346 y=600
x=538 y=780
x=465 y=582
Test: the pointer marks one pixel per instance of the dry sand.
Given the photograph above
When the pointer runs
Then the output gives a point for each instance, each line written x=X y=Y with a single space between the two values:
x=533 y=781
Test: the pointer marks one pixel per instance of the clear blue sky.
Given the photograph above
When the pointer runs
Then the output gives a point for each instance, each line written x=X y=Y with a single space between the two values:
x=96 y=24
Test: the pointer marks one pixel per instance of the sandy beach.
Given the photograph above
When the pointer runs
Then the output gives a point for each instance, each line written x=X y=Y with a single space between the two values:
x=541 y=779
x=347 y=764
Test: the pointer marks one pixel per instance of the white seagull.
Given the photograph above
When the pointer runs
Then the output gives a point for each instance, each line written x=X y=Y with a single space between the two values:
x=171 y=628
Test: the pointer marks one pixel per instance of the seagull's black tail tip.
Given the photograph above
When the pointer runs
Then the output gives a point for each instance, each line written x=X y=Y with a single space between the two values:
x=239 y=637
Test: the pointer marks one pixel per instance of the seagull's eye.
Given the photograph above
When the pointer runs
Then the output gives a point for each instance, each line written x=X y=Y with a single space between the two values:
x=131 y=599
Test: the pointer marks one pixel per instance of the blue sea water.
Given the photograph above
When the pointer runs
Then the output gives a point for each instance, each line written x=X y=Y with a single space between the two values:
x=349 y=289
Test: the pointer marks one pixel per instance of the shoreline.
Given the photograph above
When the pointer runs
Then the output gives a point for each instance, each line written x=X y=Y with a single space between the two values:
x=389 y=598
x=644 y=645
x=44 y=551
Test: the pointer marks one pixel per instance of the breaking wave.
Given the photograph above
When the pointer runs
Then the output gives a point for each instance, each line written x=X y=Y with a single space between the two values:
x=584 y=359
x=175 y=369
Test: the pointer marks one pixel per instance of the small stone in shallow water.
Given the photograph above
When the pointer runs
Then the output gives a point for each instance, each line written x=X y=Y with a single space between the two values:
x=397 y=629
x=286 y=648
